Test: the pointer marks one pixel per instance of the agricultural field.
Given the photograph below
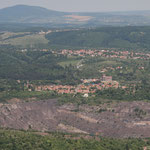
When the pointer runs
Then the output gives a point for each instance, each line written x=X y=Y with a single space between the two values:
x=23 y=39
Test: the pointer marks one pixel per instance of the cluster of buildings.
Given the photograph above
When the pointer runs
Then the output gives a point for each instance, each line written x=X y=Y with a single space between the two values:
x=102 y=53
x=88 y=86
x=105 y=53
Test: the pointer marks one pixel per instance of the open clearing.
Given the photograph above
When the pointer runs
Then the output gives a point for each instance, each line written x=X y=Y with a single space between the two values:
x=27 y=40
x=69 y=62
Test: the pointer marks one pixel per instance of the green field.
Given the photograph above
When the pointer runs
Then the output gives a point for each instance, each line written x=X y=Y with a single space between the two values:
x=69 y=62
x=24 y=41
x=10 y=34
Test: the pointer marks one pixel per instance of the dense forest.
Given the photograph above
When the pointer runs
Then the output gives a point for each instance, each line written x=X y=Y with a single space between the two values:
x=117 y=37
x=33 y=65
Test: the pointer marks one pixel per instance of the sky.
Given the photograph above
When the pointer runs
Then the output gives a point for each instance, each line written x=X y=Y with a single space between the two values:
x=83 y=5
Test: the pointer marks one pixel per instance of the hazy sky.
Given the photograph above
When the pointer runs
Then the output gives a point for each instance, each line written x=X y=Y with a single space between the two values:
x=83 y=5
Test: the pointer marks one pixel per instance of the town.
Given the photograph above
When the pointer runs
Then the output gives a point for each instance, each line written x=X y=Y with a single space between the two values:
x=88 y=86
x=105 y=53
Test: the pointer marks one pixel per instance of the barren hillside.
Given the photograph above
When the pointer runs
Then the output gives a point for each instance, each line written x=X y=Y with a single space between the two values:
x=126 y=119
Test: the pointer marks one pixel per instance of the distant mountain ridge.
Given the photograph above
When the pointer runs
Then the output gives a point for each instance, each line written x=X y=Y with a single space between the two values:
x=25 y=14
x=40 y=15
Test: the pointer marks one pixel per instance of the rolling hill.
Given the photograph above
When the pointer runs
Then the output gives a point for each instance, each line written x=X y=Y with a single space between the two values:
x=109 y=37
x=28 y=14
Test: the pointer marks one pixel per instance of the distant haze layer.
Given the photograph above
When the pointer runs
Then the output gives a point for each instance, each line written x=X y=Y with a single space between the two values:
x=83 y=5
x=39 y=15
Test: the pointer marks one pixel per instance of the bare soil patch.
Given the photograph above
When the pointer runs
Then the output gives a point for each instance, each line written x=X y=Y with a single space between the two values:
x=118 y=120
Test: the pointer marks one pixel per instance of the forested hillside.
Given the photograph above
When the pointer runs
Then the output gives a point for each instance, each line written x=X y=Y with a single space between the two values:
x=114 y=37
x=33 y=65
